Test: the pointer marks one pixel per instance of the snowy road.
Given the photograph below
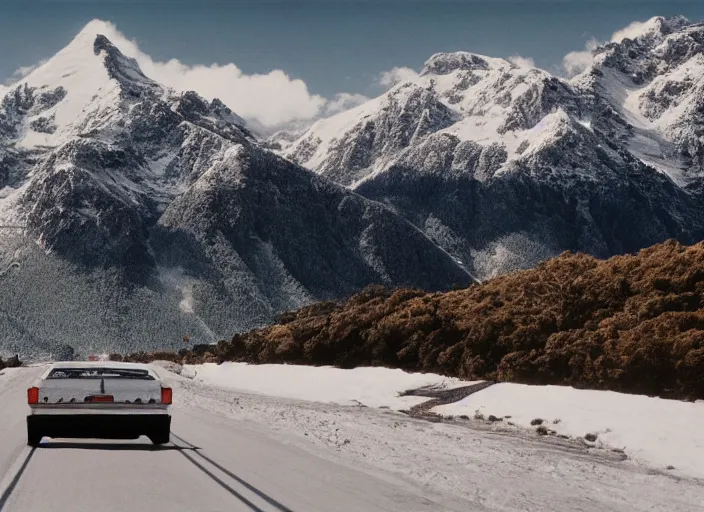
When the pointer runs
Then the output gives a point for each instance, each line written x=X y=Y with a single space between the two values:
x=210 y=466
x=241 y=452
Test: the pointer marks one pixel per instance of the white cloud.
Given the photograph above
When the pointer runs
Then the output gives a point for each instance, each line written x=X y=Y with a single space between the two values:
x=636 y=29
x=270 y=99
x=267 y=100
x=577 y=62
x=521 y=62
x=344 y=101
x=397 y=75
x=18 y=75
x=630 y=32
x=23 y=71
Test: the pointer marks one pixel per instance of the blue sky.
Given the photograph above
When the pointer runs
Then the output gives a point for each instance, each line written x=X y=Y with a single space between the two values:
x=332 y=45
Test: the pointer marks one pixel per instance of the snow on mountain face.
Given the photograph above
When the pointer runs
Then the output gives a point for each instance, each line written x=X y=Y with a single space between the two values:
x=655 y=83
x=471 y=97
x=75 y=92
x=409 y=112
x=503 y=165
x=127 y=199
x=119 y=148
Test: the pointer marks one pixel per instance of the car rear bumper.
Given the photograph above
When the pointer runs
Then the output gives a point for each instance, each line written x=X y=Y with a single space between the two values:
x=106 y=426
x=100 y=409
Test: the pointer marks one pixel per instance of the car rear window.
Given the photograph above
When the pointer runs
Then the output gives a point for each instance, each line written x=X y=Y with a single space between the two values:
x=99 y=373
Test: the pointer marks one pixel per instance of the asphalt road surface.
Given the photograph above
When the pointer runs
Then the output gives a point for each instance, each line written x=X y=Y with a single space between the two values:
x=210 y=465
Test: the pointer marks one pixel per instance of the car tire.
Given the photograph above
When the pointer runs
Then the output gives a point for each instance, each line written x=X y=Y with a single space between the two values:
x=160 y=437
x=34 y=437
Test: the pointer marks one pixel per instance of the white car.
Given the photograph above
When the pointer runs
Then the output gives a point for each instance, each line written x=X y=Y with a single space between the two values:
x=103 y=400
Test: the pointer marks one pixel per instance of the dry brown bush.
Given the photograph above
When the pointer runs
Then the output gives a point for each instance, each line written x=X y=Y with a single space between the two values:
x=12 y=362
x=632 y=323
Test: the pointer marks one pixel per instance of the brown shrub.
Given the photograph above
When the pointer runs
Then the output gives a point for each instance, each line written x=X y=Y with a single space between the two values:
x=632 y=323
x=12 y=362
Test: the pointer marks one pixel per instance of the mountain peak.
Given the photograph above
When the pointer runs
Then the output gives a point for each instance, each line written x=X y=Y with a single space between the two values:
x=97 y=26
x=446 y=63
x=86 y=59
x=124 y=69
x=655 y=28
x=83 y=43
x=644 y=50
x=102 y=43
x=66 y=93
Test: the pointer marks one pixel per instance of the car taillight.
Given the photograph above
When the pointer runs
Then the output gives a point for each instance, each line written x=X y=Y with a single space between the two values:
x=166 y=396
x=33 y=395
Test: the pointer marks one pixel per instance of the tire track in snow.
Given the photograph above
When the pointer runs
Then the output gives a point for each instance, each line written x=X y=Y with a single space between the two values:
x=441 y=397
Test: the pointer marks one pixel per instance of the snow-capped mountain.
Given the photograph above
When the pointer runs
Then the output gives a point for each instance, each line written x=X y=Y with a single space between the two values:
x=654 y=84
x=133 y=215
x=504 y=165
x=462 y=96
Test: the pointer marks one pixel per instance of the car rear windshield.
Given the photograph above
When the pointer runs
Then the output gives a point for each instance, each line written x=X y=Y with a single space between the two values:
x=99 y=373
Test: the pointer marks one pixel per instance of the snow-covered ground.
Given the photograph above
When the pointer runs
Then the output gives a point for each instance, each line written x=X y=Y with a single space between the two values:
x=498 y=467
x=655 y=433
x=373 y=387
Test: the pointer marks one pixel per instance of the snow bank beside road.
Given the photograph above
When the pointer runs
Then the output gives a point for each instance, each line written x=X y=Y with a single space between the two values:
x=658 y=433
x=510 y=472
x=655 y=431
x=373 y=387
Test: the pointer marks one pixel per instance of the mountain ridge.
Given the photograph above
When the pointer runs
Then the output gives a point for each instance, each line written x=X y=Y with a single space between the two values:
x=522 y=165
x=154 y=215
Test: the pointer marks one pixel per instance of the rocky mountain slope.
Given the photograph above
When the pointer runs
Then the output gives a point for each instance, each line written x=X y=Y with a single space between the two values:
x=133 y=215
x=504 y=166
